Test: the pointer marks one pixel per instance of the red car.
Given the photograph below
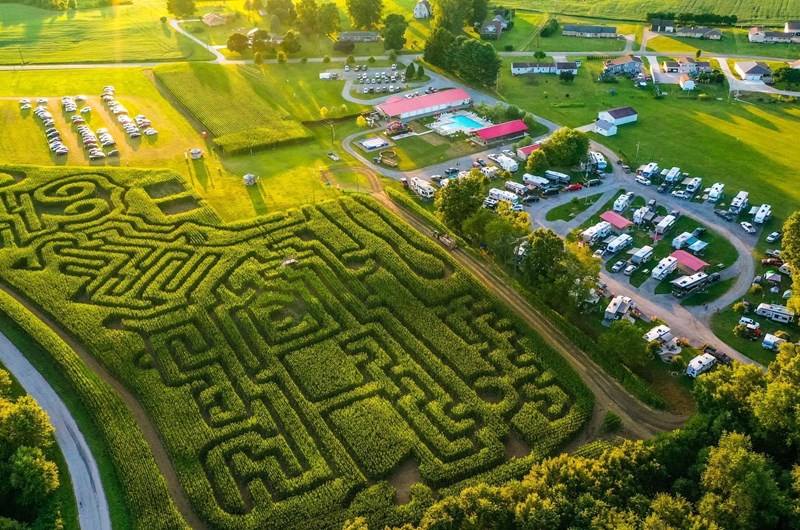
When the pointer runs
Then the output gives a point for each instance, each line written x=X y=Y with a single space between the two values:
x=574 y=187
x=772 y=261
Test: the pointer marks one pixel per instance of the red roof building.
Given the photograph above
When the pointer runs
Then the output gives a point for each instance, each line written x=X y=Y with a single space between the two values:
x=425 y=105
x=688 y=262
x=616 y=220
x=500 y=132
x=524 y=152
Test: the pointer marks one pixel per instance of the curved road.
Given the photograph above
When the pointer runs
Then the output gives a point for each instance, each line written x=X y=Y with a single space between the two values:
x=93 y=512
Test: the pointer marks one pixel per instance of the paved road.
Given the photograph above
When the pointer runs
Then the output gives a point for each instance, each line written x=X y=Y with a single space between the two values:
x=93 y=510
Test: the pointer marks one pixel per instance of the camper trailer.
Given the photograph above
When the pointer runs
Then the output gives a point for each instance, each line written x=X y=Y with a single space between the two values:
x=771 y=342
x=623 y=201
x=763 y=214
x=507 y=163
x=665 y=224
x=620 y=242
x=618 y=307
x=596 y=232
x=639 y=214
x=542 y=182
x=650 y=170
x=643 y=255
x=516 y=187
x=664 y=268
x=739 y=203
x=786 y=269
x=491 y=172
x=680 y=241
x=694 y=185
x=598 y=159
x=503 y=195
x=700 y=365
x=688 y=284
x=716 y=192
x=422 y=188
x=557 y=177
x=776 y=313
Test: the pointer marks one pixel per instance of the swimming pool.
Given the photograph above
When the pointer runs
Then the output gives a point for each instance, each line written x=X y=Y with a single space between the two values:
x=466 y=122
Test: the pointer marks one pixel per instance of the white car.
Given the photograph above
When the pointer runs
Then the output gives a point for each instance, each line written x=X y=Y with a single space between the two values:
x=25 y=106
x=508 y=153
x=630 y=269
x=746 y=321
x=748 y=227
x=150 y=131
x=680 y=194
x=42 y=101
x=643 y=180
x=773 y=237
x=84 y=110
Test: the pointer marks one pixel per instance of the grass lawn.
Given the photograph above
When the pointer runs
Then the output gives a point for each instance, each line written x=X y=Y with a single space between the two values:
x=108 y=34
x=734 y=41
x=568 y=210
x=709 y=294
x=561 y=43
x=421 y=151
x=722 y=325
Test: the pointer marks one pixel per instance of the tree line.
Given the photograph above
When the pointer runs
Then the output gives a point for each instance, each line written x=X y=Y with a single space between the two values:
x=694 y=19
x=473 y=60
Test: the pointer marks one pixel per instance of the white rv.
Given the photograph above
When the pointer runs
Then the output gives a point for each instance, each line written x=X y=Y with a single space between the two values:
x=542 y=182
x=639 y=214
x=643 y=255
x=555 y=176
x=664 y=268
x=595 y=232
x=665 y=224
x=739 y=203
x=688 y=284
x=503 y=195
x=700 y=364
x=763 y=214
x=694 y=185
x=650 y=170
x=786 y=269
x=679 y=241
x=776 y=313
x=673 y=175
x=618 y=307
x=620 y=242
x=623 y=201
x=716 y=192
x=491 y=171
x=598 y=159
x=771 y=342
x=507 y=163
x=516 y=187
x=422 y=188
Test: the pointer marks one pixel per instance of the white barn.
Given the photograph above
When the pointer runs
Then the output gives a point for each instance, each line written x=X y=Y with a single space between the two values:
x=605 y=128
x=619 y=116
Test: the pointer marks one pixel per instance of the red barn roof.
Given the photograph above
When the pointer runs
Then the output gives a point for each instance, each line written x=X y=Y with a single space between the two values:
x=693 y=263
x=528 y=149
x=402 y=106
x=502 y=129
x=616 y=220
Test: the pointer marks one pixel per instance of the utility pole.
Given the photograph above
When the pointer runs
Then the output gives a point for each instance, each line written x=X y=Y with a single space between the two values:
x=637 y=151
x=21 y=58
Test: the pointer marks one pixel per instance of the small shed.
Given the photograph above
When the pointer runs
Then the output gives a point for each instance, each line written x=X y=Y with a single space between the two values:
x=605 y=128
x=686 y=82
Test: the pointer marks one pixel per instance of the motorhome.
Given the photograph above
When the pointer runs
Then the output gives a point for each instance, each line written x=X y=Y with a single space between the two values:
x=673 y=175
x=516 y=187
x=666 y=223
x=680 y=241
x=536 y=180
x=650 y=170
x=491 y=172
x=700 y=365
x=739 y=203
x=664 y=268
x=694 y=185
x=620 y=242
x=763 y=214
x=555 y=176
x=599 y=159
x=688 y=284
x=596 y=232
x=507 y=163
x=639 y=214
x=503 y=195
x=623 y=201
x=643 y=255
x=422 y=188
x=716 y=192
x=776 y=313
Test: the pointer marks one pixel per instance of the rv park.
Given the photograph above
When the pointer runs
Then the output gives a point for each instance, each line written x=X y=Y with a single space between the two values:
x=680 y=200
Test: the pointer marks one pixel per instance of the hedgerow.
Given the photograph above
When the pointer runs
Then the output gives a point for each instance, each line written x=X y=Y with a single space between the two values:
x=291 y=361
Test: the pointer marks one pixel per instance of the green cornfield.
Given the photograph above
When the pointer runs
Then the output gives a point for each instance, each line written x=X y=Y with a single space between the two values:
x=292 y=363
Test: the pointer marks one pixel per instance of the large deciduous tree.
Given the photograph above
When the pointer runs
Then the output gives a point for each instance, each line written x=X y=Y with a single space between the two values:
x=477 y=61
x=237 y=43
x=181 y=8
x=290 y=42
x=328 y=19
x=566 y=147
x=394 y=32
x=307 y=11
x=365 y=13
x=624 y=341
x=451 y=15
x=460 y=199
x=283 y=9
x=537 y=162
x=31 y=475
x=439 y=47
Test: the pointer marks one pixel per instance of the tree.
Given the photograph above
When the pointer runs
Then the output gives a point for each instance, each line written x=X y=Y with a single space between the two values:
x=479 y=10
x=475 y=225
x=237 y=43
x=566 y=76
x=566 y=147
x=537 y=162
x=790 y=76
x=32 y=476
x=503 y=233
x=181 y=8
x=477 y=61
x=281 y=57
x=539 y=55
x=248 y=6
x=392 y=55
x=740 y=485
x=438 y=48
x=420 y=71
x=460 y=199
x=361 y=122
x=365 y=13
x=410 y=71
x=451 y=15
x=307 y=18
x=323 y=112
x=756 y=289
x=698 y=53
x=545 y=250
x=394 y=32
x=258 y=58
x=326 y=59
x=24 y=423
x=775 y=405
x=291 y=42
x=624 y=342
x=284 y=9
x=359 y=523
x=350 y=59
x=328 y=19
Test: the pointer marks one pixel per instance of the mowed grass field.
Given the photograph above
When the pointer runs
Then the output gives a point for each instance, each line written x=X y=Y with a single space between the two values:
x=748 y=11
x=734 y=42
x=102 y=35
x=742 y=145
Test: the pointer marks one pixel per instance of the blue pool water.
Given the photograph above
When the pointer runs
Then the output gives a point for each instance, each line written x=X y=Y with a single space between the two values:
x=467 y=122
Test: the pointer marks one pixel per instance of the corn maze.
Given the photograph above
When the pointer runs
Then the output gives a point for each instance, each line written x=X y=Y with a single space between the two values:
x=289 y=362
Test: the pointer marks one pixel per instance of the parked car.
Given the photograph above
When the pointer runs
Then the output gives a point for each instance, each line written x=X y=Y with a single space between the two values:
x=574 y=187
x=725 y=214
x=481 y=162
x=509 y=154
x=713 y=278
x=750 y=229
x=451 y=171
x=773 y=253
x=747 y=321
x=680 y=194
x=642 y=180
x=492 y=157
x=616 y=267
x=630 y=269
x=530 y=198
x=777 y=262
x=517 y=208
x=593 y=182
x=662 y=188
x=599 y=253
x=552 y=190
x=651 y=203
x=774 y=236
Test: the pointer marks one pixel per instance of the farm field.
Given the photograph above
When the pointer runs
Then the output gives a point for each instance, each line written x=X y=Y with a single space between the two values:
x=734 y=42
x=740 y=144
x=227 y=335
x=749 y=11
x=102 y=35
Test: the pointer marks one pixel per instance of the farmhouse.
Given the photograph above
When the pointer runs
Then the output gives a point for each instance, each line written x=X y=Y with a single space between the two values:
x=524 y=152
x=686 y=82
x=605 y=128
x=671 y=67
x=623 y=65
x=446 y=100
x=422 y=9
x=759 y=34
x=502 y=132
x=490 y=29
x=213 y=20
x=579 y=30
x=688 y=263
x=752 y=70
x=618 y=116
x=792 y=27
x=359 y=36
x=700 y=32
x=660 y=25
x=689 y=65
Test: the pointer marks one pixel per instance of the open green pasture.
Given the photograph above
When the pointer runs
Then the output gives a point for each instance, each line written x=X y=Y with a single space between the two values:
x=749 y=11
x=290 y=363
x=129 y=33
x=734 y=42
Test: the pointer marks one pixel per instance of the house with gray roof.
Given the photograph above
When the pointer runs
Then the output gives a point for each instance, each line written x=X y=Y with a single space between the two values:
x=581 y=30
x=752 y=70
x=627 y=64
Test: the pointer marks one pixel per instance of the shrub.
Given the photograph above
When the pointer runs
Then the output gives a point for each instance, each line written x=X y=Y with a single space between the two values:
x=508 y=47
x=611 y=422
x=371 y=59
x=326 y=59
x=344 y=46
